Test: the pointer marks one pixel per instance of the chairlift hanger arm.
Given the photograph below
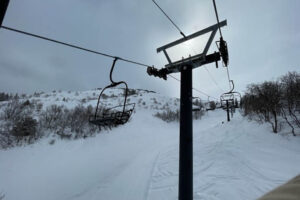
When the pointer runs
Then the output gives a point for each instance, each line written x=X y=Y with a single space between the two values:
x=232 y=85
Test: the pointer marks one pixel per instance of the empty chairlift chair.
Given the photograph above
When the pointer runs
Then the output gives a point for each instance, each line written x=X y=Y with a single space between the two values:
x=113 y=116
x=233 y=98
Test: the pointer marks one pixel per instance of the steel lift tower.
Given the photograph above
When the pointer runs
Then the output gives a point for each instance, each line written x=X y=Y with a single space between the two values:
x=185 y=67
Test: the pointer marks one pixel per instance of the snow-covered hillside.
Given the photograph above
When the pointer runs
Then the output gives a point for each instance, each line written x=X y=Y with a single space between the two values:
x=139 y=160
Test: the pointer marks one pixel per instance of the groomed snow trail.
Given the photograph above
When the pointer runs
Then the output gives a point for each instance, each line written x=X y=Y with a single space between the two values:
x=236 y=160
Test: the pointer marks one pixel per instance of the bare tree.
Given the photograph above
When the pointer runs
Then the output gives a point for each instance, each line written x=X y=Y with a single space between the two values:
x=291 y=94
x=263 y=100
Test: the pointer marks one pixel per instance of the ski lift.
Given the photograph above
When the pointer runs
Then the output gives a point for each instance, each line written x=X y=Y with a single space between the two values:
x=114 y=116
x=233 y=98
x=197 y=105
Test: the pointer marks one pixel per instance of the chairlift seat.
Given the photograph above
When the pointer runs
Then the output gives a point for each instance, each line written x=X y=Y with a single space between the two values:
x=113 y=116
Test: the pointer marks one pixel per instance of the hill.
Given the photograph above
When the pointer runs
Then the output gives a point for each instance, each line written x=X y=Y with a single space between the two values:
x=139 y=160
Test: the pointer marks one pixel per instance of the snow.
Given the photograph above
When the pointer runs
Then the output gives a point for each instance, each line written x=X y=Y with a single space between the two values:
x=139 y=160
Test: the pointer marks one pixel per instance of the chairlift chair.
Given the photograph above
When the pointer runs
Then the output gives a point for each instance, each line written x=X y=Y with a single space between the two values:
x=113 y=116
x=231 y=97
x=196 y=108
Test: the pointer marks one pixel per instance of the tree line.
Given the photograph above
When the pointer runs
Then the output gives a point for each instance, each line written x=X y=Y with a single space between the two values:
x=275 y=102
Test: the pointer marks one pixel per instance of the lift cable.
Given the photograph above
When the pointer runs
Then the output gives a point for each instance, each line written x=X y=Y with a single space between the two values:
x=74 y=46
x=217 y=16
x=212 y=78
x=216 y=11
x=199 y=91
x=169 y=18
x=188 y=47
x=84 y=49
x=210 y=75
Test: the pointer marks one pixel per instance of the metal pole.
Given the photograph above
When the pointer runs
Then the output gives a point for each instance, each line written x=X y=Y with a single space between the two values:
x=186 y=136
x=228 y=116
x=3 y=8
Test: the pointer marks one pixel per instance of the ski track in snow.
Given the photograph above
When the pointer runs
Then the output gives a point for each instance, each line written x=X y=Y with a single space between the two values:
x=236 y=160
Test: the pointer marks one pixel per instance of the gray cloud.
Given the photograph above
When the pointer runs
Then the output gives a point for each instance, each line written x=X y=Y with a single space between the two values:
x=263 y=39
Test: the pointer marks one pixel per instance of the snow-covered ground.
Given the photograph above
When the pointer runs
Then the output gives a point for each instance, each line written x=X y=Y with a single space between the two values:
x=139 y=160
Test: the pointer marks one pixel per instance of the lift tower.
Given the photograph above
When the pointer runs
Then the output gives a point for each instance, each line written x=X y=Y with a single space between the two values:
x=185 y=67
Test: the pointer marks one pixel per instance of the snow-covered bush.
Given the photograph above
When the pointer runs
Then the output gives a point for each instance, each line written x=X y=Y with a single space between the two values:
x=11 y=110
x=168 y=115
x=18 y=125
x=39 y=107
x=26 y=126
x=52 y=117
x=5 y=96
x=131 y=92
x=6 y=139
x=65 y=122
x=77 y=120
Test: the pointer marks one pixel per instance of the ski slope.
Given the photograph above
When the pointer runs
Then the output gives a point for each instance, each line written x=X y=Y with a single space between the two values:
x=236 y=160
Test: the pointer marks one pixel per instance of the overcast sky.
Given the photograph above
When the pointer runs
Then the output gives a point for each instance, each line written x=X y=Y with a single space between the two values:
x=263 y=37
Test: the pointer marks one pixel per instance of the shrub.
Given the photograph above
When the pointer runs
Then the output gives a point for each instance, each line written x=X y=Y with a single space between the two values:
x=26 y=126
x=11 y=110
x=16 y=109
x=52 y=117
x=51 y=142
x=17 y=123
x=6 y=139
x=104 y=96
x=78 y=118
x=39 y=107
x=4 y=96
x=168 y=115
x=131 y=92
x=36 y=94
